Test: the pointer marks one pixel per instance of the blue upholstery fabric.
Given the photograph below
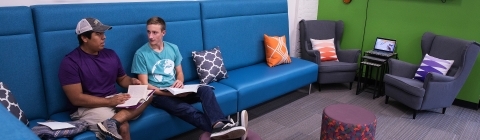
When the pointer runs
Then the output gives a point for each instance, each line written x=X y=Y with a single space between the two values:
x=259 y=83
x=55 y=25
x=20 y=68
x=238 y=28
x=12 y=129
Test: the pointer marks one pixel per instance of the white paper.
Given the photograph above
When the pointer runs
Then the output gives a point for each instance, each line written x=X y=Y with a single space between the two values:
x=57 y=125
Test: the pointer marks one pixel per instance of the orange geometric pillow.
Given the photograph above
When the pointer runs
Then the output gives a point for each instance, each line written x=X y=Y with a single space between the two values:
x=276 y=50
x=326 y=49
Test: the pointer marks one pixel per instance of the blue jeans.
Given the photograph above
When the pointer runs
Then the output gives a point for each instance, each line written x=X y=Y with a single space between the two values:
x=182 y=108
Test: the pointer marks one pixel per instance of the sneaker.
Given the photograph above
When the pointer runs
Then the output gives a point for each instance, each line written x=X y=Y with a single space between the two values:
x=109 y=128
x=227 y=131
x=244 y=122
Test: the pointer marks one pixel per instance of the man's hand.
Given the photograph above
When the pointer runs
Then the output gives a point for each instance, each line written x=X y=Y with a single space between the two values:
x=177 y=84
x=119 y=99
x=135 y=81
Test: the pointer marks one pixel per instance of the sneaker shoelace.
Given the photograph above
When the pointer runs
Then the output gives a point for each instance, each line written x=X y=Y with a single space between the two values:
x=228 y=125
x=111 y=125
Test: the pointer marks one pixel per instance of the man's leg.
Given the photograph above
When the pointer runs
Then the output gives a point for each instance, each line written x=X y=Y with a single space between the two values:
x=210 y=105
x=222 y=128
x=93 y=116
x=124 y=131
x=177 y=106
x=112 y=126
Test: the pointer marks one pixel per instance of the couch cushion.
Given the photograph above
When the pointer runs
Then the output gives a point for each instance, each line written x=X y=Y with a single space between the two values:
x=210 y=67
x=411 y=86
x=337 y=66
x=238 y=28
x=276 y=50
x=20 y=66
x=432 y=64
x=8 y=100
x=259 y=83
x=12 y=129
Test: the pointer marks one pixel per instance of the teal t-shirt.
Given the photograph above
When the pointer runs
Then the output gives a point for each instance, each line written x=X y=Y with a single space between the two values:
x=159 y=66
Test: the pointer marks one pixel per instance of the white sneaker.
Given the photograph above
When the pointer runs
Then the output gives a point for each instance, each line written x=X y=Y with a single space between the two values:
x=244 y=122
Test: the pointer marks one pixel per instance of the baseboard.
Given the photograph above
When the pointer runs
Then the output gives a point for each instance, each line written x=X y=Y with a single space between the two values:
x=466 y=104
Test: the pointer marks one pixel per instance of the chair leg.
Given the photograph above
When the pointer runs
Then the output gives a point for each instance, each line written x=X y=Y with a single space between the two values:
x=386 y=99
x=319 y=87
x=443 y=110
x=414 y=114
x=310 y=89
x=351 y=83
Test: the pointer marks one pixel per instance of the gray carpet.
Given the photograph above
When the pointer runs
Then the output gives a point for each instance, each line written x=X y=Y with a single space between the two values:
x=298 y=115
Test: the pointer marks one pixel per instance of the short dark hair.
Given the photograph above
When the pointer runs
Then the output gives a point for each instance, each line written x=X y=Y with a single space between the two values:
x=157 y=20
x=87 y=34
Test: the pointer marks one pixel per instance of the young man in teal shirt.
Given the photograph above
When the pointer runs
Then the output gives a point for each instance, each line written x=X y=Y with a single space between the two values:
x=158 y=65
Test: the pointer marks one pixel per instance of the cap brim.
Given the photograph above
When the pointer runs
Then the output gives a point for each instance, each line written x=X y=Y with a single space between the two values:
x=101 y=28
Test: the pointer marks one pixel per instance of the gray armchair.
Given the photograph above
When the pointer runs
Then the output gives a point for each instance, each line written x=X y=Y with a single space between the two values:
x=437 y=91
x=342 y=71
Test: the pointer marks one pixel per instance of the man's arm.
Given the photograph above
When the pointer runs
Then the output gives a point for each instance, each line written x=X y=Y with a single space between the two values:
x=179 y=82
x=78 y=98
x=125 y=80
x=144 y=81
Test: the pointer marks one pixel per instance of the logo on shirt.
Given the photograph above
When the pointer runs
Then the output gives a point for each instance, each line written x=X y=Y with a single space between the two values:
x=163 y=70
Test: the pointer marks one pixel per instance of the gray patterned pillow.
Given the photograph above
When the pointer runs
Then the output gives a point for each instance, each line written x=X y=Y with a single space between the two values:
x=7 y=99
x=210 y=65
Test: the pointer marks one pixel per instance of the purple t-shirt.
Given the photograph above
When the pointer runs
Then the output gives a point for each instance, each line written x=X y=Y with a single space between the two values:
x=97 y=73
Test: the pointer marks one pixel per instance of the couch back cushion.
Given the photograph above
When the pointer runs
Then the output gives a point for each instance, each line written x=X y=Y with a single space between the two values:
x=55 y=27
x=20 y=66
x=238 y=28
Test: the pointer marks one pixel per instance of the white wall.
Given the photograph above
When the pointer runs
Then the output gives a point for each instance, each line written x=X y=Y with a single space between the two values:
x=298 y=10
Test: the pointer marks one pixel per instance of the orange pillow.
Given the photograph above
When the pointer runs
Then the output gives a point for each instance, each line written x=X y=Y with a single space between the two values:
x=276 y=50
x=326 y=48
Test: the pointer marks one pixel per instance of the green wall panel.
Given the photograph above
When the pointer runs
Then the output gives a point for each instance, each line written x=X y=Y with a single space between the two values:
x=353 y=16
x=406 y=21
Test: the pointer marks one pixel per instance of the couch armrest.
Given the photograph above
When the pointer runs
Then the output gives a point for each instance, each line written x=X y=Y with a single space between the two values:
x=350 y=56
x=12 y=128
x=401 y=68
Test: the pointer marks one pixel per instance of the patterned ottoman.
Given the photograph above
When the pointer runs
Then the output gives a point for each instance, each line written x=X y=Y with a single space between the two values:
x=250 y=136
x=347 y=122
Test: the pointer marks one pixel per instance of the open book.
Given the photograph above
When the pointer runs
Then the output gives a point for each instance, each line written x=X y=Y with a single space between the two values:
x=138 y=95
x=186 y=88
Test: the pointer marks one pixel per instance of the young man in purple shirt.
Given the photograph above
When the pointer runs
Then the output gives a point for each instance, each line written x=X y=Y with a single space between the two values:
x=88 y=76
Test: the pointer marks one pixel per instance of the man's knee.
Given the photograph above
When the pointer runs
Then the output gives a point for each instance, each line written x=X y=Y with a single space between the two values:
x=204 y=89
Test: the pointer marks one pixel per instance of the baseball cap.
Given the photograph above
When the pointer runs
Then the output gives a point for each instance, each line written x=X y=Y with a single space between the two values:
x=91 y=24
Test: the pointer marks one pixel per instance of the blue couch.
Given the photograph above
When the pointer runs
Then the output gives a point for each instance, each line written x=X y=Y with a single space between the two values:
x=33 y=41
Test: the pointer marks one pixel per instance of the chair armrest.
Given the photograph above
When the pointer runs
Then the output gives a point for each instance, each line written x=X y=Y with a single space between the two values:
x=402 y=69
x=436 y=77
x=350 y=56
x=307 y=53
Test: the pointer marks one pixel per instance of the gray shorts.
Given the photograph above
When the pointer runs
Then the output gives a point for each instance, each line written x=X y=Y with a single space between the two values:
x=93 y=116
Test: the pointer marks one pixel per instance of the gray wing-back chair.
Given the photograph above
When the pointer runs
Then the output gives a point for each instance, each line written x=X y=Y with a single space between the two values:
x=437 y=91
x=341 y=71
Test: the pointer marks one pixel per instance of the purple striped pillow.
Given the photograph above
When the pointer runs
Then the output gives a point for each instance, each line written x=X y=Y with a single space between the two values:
x=432 y=64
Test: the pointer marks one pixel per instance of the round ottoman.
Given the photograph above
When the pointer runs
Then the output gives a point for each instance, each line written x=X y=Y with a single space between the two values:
x=250 y=136
x=343 y=121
